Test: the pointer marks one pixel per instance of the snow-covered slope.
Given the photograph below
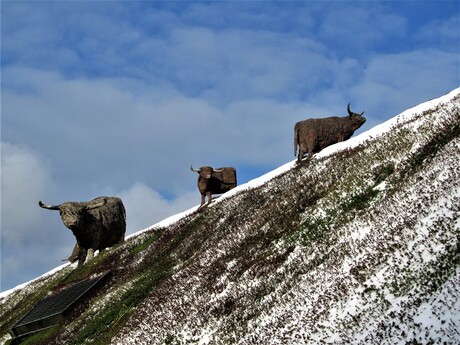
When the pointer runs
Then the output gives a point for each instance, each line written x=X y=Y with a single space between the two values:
x=359 y=246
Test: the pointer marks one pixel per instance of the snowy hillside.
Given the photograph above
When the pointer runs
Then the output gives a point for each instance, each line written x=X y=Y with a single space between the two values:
x=359 y=246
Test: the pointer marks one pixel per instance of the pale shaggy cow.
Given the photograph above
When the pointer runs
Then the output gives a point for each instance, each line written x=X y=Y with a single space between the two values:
x=96 y=224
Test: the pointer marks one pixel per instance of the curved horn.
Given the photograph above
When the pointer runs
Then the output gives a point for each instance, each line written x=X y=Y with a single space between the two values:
x=99 y=204
x=349 y=111
x=218 y=170
x=195 y=170
x=49 y=207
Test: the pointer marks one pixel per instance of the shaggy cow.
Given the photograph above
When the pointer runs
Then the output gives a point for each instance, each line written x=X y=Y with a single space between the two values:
x=96 y=224
x=214 y=181
x=313 y=135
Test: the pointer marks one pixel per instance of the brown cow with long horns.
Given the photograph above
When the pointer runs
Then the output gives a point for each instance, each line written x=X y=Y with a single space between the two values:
x=313 y=135
x=214 y=181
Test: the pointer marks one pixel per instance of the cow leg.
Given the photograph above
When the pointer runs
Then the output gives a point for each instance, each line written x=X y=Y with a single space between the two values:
x=75 y=254
x=309 y=155
x=89 y=255
x=302 y=154
x=209 y=197
x=81 y=256
x=202 y=199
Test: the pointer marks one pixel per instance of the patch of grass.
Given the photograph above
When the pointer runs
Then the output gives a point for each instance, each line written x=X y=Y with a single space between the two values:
x=190 y=237
x=382 y=172
x=104 y=261
x=359 y=202
x=40 y=338
x=149 y=275
x=311 y=230
x=144 y=245
x=106 y=324
x=431 y=148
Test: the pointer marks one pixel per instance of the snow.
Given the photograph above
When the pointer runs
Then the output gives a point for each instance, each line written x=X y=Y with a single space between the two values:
x=165 y=222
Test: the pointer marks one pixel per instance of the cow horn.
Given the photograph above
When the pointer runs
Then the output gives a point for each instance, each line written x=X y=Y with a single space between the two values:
x=349 y=111
x=218 y=170
x=49 y=207
x=195 y=170
x=99 y=204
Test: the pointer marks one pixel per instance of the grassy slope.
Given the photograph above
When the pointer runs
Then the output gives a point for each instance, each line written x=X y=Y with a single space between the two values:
x=359 y=246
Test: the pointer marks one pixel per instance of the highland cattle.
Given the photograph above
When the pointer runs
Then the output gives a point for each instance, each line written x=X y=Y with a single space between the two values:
x=313 y=135
x=96 y=224
x=214 y=181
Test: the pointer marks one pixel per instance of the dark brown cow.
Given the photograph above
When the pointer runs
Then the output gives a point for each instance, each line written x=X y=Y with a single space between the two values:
x=214 y=181
x=313 y=135
x=96 y=224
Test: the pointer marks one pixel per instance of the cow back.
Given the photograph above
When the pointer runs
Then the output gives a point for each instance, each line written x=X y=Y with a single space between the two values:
x=111 y=221
x=317 y=134
x=229 y=176
x=225 y=180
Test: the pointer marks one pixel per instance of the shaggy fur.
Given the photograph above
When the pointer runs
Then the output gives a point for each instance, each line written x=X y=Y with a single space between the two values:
x=216 y=181
x=96 y=224
x=313 y=135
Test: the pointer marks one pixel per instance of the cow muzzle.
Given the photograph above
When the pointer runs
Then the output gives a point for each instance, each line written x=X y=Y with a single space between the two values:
x=71 y=224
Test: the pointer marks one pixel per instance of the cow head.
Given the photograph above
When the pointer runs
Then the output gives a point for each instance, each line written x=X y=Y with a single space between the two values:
x=72 y=212
x=206 y=171
x=357 y=119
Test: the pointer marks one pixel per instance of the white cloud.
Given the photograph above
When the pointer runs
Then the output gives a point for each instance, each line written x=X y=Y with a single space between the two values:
x=391 y=83
x=361 y=26
x=145 y=207
x=443 y=33
x=32 y=239
x=234 y=63
x=100 y=135
x=25 y=179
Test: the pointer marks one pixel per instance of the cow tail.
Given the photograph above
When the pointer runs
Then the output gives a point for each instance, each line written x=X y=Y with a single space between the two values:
x=296 y=139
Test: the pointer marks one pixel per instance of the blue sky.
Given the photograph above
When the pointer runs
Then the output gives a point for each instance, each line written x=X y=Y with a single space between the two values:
x=119 y=98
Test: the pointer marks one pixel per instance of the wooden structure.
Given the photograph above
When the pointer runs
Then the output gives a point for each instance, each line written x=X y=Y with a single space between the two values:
x=52 y=309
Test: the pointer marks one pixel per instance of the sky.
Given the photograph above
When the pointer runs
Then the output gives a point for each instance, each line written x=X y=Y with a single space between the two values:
x=119 y=98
